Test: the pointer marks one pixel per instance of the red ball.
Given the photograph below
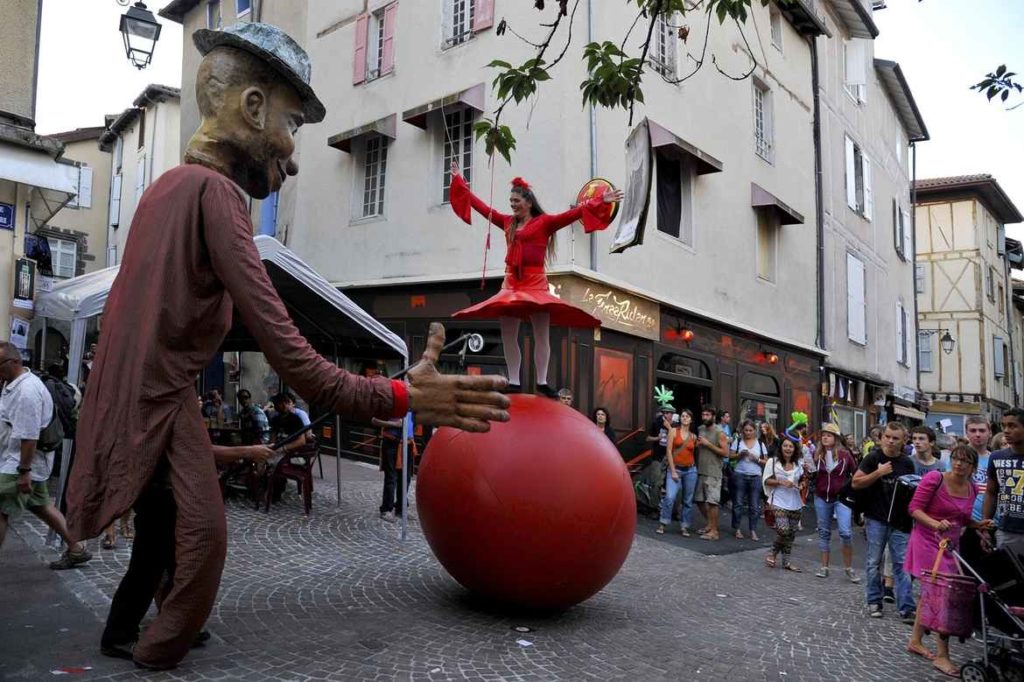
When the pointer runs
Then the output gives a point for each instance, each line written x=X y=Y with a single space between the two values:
x=538 y=512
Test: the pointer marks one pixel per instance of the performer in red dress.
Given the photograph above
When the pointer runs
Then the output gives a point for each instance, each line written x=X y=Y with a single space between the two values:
x=529 y=236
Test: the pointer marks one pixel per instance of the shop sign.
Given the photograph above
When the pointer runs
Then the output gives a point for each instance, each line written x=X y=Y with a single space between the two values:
x=6 y=216
x=615 y=308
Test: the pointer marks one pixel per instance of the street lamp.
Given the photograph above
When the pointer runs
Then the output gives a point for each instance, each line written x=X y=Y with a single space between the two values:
x=946 y=341
x=140 y=31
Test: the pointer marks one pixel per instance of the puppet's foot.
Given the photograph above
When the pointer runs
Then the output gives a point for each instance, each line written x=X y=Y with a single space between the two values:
x=547 y=391
x=514 y=388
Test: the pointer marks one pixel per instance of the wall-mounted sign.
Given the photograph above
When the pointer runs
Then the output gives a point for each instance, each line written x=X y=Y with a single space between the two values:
x=24 y=283
x=6 y=216
x=615 y=308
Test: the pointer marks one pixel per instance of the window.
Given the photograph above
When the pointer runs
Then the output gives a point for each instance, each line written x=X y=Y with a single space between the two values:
x=115 y=200
x=374 y=44
x=1001 y=298
x=242 y=7
x=142 y=129
x=855 y=71
x=902 y=232
x=763 y=121
x=859 y=196
x=213 y=19
x=759 y=398
x=675 y=196
x=118 y=153
x=990 y=284
x=663 y=50
x=775 y=19
x=268 y=215
x=902 y=339
x=856 y=308
x=458 y=146
x=375 y=164
x=999 y=357
x=458 y=21
x=919 y=278
x=767 y=244
x=65 y=256
x=140 y=178
x=84 y=197
x=924 y=352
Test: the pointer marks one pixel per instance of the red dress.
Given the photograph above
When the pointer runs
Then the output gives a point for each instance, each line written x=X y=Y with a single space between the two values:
x=524 y=291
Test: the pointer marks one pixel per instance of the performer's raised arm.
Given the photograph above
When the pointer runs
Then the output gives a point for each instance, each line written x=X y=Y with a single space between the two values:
x=585 y=211
x=462 y=200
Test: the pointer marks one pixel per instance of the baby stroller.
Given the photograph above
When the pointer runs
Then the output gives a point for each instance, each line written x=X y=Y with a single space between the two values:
x=999 y=618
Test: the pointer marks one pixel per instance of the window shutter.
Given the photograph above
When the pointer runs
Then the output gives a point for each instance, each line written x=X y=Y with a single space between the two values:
x=140 y=178
x=855 y=312
x=85 y=187
x=856 y=63
x=851 y=175
x=900 y=343
x=908 y=235
x=897 y=231
x=115 y=200
x=359 y=54
x=924 y=352
x=447 y=22
x=869 y=197
x=997 y=356
x=387 y=50
x=483 y=14
x=919 y=275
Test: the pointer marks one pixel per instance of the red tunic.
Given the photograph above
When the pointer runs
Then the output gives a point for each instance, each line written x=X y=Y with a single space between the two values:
x=524 y=291
x=189 y=258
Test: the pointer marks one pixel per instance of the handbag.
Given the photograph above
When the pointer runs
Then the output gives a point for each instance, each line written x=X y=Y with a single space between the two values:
x=769 y=510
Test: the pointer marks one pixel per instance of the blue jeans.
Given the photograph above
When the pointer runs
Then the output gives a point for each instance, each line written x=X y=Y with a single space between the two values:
x=880 y=535
x=687 y=483
x=746 y=496
x=844 y=517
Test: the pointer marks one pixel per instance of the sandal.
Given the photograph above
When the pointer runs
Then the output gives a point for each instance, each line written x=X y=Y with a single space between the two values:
x=660 y=530
x=753 y=537
x=127 y=533
x=920 y=650
x=739 y=535
x=710 y=536
x=951 y=671
x=769 y=561
x=792 y=568
x=108 y=543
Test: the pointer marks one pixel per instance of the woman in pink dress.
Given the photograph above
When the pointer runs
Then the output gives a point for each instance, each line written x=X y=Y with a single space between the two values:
x=529 y=235
x=941 y=508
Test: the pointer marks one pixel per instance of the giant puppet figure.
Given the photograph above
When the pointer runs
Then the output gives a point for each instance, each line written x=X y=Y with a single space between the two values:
x=190 y=258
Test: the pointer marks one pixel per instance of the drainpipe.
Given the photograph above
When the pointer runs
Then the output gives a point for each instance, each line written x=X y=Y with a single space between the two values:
x=593 y=135
x=913 y=259
x=819 y=199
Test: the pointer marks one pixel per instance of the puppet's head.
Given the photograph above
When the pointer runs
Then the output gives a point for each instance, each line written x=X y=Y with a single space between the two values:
x=253 y=93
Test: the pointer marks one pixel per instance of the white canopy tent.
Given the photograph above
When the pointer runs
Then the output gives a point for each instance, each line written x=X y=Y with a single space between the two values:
x=324 y=315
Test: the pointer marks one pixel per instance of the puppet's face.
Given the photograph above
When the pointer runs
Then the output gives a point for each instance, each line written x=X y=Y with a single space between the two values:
x=273 y=117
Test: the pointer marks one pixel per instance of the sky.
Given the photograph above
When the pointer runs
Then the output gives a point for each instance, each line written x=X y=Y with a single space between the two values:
x=943 y=46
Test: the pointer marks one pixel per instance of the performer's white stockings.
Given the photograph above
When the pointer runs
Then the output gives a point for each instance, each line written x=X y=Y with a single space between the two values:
x=541 y=351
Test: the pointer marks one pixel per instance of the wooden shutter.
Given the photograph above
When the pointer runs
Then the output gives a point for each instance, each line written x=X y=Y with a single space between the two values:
x=998 y=365
x=115 y=200
x=359 y=54
x=869 y=197
x=387 y=50
x=851 y=175
x=483 y=14
x=901 y=344
x=855 y=312
x=856 y=63
x=85 y=187
x=908 y=235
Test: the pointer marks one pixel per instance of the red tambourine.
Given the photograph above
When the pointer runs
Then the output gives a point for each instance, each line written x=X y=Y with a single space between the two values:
x=596 y=188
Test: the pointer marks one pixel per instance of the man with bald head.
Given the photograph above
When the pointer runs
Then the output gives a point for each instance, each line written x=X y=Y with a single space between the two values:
x=188 y=261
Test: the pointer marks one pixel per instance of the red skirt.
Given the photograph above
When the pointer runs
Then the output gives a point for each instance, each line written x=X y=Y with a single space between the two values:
x=527 y=296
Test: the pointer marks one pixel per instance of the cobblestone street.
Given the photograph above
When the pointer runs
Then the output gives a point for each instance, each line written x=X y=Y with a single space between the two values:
x=339 y=596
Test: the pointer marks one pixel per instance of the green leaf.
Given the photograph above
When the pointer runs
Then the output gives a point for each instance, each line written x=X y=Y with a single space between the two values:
x=1001 y=70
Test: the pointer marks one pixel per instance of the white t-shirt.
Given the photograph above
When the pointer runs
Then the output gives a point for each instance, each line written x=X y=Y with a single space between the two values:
x=784 y=498
x=25 y=409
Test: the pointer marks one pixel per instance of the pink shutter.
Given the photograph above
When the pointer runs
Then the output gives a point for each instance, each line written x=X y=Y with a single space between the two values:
x=387 y=49
x=483 y=14
x=359 y=55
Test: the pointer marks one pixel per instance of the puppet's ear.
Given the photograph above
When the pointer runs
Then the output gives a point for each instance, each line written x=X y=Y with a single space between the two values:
x=254 y=107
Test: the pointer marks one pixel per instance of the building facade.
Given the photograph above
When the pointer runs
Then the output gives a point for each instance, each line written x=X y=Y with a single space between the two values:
x=35 y=179
x=964 y=290
x=143 y=142
x=869 y=125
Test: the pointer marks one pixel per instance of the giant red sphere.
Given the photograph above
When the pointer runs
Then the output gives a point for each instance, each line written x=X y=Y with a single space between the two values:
x=538 y=512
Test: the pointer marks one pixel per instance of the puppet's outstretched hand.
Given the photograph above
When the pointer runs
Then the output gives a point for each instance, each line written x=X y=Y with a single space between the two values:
x=465 y=402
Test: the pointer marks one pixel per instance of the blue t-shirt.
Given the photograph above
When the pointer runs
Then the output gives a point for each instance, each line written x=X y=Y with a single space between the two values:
x=1007 y=467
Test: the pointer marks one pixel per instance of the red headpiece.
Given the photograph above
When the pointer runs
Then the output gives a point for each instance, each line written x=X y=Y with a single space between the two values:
x=519 y=182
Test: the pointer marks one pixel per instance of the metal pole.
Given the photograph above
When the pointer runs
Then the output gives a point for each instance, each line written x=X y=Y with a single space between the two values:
x=337 y=438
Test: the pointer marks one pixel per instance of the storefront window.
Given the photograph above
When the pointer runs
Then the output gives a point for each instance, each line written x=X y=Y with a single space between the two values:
x=852 y=421
x=760 y=411
x=759 y=399
x=684 y=366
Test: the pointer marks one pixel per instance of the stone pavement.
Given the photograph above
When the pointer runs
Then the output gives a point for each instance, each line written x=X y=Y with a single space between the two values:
x=338 y=596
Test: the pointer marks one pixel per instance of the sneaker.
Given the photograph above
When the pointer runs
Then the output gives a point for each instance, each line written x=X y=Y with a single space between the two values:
x=907 y=617
x=388 y=517
x=889 y=596
x=852 y=576
x=875 y=610
x=822 y=572
x=71 y=559
x=660 y=530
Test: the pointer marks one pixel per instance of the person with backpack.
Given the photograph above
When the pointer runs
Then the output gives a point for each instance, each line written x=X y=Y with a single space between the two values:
x=29 y=432
x=834 y=466
x=750 y=455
